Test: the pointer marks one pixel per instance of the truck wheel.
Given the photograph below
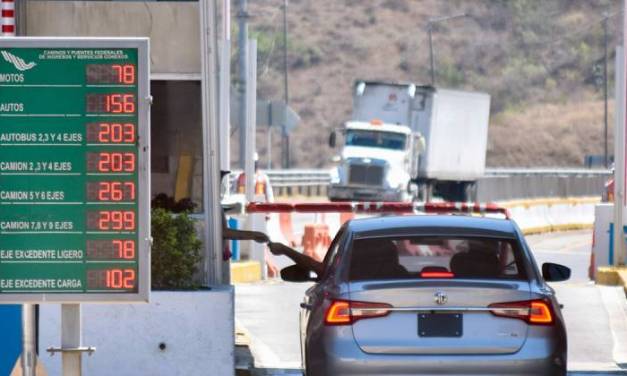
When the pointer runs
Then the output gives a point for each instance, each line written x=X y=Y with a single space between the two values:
x=425 y=192
x=470 y=191
x=412 y=192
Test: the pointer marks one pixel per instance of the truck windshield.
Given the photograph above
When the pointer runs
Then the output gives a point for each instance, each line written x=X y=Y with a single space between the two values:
x=386 y=140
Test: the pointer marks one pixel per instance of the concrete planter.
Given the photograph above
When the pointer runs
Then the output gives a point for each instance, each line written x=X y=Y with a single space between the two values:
x=177 y=333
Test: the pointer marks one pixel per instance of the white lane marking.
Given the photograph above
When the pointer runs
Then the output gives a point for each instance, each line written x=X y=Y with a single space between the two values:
x=263 y=355
x=593 y=368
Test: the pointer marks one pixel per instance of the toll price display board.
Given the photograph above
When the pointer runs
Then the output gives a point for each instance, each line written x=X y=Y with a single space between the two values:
x=74 y=183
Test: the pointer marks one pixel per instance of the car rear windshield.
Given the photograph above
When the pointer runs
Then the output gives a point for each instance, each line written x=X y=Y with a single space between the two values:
x=436 y=257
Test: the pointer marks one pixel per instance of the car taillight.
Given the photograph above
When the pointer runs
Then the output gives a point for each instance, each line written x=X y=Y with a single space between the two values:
x=346 y=312
x=437 y=275
x=537 y=312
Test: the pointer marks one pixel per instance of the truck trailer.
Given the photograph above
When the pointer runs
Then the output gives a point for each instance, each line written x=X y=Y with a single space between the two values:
x=444 y=153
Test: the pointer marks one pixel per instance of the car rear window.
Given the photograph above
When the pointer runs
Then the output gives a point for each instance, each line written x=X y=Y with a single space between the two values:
x=435 y=257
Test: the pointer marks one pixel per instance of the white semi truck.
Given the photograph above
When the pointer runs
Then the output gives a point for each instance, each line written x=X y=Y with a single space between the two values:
x=406 y=141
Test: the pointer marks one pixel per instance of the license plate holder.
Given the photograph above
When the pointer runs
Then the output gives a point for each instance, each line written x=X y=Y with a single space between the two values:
x=440 y=324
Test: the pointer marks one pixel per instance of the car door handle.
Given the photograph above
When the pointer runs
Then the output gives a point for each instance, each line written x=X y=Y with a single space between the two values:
x=306 y=306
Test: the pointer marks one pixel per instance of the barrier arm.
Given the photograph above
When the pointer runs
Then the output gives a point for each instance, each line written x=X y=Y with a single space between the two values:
x=378 y=208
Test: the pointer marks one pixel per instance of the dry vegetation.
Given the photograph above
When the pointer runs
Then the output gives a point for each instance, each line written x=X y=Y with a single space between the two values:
x=540 y=61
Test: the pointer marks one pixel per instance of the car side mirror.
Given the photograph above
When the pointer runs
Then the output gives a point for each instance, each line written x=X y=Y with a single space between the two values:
x=332 y=139
x=297 y=273
x=555 y=272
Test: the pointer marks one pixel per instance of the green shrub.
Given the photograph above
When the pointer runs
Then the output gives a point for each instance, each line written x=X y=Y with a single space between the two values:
x=175 y=251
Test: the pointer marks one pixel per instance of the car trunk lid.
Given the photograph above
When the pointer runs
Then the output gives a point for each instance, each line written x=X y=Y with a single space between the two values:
x=424 y=314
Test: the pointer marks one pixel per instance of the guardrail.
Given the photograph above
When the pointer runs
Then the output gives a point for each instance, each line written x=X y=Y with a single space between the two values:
x=306 y=182
x=497 y=184
x=299 y=182
x=547 y=171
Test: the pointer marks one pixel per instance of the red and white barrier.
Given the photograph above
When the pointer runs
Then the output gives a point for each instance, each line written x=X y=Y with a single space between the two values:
x=328 y=217
x=376 y=208
x=7 y=22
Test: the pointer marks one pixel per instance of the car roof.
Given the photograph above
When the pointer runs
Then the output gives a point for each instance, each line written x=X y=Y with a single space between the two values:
x=432 y=225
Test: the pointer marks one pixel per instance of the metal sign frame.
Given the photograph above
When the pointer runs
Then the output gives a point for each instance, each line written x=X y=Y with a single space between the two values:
x=142 y=45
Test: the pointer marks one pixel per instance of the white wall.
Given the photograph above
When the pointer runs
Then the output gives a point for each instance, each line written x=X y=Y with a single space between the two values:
x=196 y=327
x=173 y=27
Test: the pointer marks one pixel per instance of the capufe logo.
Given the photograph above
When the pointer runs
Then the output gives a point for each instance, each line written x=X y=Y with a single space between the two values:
x=17 y=62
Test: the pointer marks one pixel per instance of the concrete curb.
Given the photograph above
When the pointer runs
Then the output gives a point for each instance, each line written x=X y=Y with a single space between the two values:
x=244 y=360
x=542 y=215
x=557 y=228
x=551 y=201
x=245 y=271
x=612 y=276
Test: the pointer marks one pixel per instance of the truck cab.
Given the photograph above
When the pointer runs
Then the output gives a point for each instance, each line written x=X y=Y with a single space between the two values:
x=376 y=162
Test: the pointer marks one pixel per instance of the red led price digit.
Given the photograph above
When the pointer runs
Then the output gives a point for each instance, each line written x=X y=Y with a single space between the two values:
x=116 y=162
x=114 y=191
x=130 y=188
x=129 y=220
x=103 y=132
x=107 y=133
x=116 y=220
x=103 y=220
x=125 y=73
x=124 y=249
x=120 y=103
x=120 y=278
x=104 y=191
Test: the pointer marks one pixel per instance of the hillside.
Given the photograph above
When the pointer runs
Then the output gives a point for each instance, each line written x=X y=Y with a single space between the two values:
x=540 y=60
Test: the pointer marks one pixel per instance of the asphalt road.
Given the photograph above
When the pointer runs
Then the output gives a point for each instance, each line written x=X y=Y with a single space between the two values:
x=269 y=311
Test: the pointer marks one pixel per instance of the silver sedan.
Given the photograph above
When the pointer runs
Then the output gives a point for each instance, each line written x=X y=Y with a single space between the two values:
x=431 y=295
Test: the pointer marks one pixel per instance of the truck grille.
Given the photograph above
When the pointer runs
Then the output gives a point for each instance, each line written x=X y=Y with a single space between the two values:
x=365 y=174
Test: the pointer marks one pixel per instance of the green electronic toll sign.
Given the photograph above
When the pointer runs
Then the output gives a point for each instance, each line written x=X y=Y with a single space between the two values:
x=74 y=170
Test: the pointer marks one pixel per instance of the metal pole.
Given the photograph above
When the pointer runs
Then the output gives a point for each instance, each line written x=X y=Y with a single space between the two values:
x=242 y=19
x=430 y=31
x=20 y=18
x=619 y=157
x=29 y=352
x=226 y=19
x=269 y=164
x=285 y=135
x=605 y=41
x=211 y=164
x=71 y=338
x=251 y=119
x=225 y=120
x=430 y=24
x=225 y=93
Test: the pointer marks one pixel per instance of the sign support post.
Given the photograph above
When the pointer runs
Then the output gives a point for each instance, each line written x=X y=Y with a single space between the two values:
x=71 y=339
x=29 y=352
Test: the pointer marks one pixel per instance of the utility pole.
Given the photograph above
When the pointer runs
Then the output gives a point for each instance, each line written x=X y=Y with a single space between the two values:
x=242 y=40
x=430 y=24
x=225 y=90
x=285 y=135
x=605 y=41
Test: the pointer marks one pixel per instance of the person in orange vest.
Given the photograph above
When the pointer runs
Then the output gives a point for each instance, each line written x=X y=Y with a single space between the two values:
x=608 y=189
x=262 y=183
x=262 y=188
